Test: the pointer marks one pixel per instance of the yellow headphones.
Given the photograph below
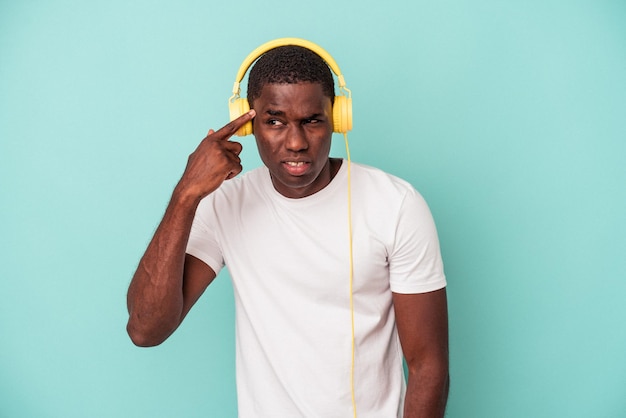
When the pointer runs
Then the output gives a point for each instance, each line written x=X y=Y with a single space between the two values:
x=342 y=107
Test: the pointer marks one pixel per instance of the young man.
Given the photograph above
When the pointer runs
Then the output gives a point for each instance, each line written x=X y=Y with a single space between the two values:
x=282 y=230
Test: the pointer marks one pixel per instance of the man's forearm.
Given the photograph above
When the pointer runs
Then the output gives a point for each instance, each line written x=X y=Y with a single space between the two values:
x=155 y=296
x=427 y=394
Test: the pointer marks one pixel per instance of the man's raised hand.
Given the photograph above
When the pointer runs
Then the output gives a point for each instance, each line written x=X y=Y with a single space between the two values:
x=216 y=159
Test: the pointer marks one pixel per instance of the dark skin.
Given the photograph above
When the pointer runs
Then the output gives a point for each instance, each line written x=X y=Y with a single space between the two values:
x=293 y=129
x=422 y=322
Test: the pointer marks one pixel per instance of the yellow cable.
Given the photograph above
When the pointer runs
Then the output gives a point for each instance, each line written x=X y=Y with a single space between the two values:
x=345 y=136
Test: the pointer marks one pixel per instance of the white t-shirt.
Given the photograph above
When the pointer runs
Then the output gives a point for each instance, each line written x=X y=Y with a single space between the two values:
x=289 y=263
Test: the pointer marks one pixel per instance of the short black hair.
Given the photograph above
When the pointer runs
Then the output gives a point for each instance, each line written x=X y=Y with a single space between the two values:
x=289 y=64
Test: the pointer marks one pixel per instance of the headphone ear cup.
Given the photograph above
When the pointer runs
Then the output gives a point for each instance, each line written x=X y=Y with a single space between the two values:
x=237 y=108
x=342 y=114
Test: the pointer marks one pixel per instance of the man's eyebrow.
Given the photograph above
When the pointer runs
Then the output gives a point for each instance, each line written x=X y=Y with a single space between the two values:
x=272 y=112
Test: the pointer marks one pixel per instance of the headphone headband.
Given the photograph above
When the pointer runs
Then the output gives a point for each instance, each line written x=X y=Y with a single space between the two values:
x=254 y=55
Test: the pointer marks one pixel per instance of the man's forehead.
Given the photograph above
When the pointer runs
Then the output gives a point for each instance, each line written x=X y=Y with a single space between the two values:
x=281 y=94
x=297 y=85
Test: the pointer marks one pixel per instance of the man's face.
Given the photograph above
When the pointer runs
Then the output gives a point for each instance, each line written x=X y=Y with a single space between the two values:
x=293 y=129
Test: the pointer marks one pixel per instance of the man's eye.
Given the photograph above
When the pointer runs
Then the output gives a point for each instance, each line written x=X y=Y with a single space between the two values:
x=312 y=121
x=274 y=122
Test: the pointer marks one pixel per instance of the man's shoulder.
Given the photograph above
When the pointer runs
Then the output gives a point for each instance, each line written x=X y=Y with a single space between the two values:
x=252 y=178
x=237 y=190
x=376 y=178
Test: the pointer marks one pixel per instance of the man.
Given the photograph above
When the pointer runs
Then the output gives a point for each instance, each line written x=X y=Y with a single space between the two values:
x=282 y=230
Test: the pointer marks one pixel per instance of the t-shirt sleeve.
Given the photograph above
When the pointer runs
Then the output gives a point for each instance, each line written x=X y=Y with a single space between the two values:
x=202 y=242
x=415 y=263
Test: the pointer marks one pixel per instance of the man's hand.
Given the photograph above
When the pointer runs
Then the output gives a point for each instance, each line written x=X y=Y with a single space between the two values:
x=216 y=159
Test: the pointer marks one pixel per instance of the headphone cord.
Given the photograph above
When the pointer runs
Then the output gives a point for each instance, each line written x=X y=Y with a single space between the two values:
x=351 y=274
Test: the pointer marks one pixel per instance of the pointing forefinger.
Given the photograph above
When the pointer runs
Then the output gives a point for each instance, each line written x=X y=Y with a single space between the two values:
x=232 y=127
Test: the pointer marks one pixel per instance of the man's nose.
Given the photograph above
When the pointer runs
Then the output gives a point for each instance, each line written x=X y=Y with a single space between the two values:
x=296 y=139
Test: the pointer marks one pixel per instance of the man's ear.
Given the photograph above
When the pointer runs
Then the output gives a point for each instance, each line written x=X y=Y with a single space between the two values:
x=252 y=121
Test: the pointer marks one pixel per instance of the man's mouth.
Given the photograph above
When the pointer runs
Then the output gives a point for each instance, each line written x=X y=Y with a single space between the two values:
x=296 y=168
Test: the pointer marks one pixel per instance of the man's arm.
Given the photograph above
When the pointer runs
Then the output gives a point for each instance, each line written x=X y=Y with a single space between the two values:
x=422 y=321
x=168 y=282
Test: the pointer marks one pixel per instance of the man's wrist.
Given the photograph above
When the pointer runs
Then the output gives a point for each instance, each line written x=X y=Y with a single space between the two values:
x=185 y=198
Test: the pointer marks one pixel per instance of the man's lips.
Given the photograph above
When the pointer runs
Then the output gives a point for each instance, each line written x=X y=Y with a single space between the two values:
x=296 y=168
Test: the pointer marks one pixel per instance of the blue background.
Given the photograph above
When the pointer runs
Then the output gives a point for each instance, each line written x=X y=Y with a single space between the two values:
x=509 y=117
